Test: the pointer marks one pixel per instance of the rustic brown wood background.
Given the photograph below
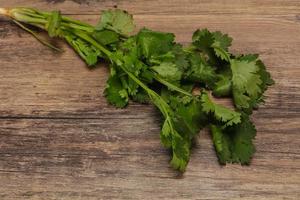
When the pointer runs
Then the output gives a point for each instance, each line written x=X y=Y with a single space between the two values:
x=60 y=140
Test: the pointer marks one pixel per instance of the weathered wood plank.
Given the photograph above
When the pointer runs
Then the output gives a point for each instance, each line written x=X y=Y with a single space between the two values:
x=97 y=159
x=177 y=7
x=60 y=140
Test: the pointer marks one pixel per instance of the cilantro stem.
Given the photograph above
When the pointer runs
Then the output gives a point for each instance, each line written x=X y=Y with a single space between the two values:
x=67 y=19
x=36 y=36
x=33 y=17
x=170 y=85
x=78 y=27
x=23 y=15
x=89 y=39
x=29 y=12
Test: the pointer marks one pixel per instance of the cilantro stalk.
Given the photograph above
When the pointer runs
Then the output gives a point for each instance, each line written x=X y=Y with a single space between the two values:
x=42 y=20
x=171 y=86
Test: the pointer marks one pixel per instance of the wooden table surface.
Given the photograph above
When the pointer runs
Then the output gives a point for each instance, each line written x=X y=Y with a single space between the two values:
x=60 y=140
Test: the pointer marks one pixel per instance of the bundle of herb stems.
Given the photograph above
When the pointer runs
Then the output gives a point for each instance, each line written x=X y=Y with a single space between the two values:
x=150 y=67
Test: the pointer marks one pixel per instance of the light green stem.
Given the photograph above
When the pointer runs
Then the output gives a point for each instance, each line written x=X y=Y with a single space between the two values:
x=91 y=40
x=170 y=85
x=37 y=37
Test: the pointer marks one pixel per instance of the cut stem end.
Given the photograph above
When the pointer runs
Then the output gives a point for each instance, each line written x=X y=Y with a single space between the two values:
x=4 y=11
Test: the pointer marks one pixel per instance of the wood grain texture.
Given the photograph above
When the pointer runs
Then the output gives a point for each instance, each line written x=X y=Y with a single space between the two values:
x=60 y=140
x=166 y=7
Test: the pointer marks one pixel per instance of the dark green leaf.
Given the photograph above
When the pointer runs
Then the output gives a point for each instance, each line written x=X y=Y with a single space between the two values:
x=234 y=144
x=200 y=71
x=106 y=37
x=221 y=113
x=153 y=43
x=115 y=93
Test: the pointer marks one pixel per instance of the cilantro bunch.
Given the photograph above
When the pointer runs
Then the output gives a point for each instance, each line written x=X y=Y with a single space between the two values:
x=150 y=67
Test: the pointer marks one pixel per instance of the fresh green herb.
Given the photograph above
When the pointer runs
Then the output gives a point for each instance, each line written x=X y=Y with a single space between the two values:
x=151 y=67
x=234 y=144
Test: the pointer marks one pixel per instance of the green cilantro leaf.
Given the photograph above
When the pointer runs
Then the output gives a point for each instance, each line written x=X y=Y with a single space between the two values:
x=106 y=37
x=86 y=51
x=221 y=44
x=116 y=20
x=181 y=151
x=266 y=82
x=189 y=115
x=168 y=71
x=223 y=87
x=170 y=137
x=141 y=97
x=222 y=144
x=203 y=39
x=220 y=112
x=200 y=71
x=246 y=82
x=114 y=92
x=214 y=44
x=222 y=40
x=234 y=144
x=152 y=43
x=187 y=120
x=243 y=147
